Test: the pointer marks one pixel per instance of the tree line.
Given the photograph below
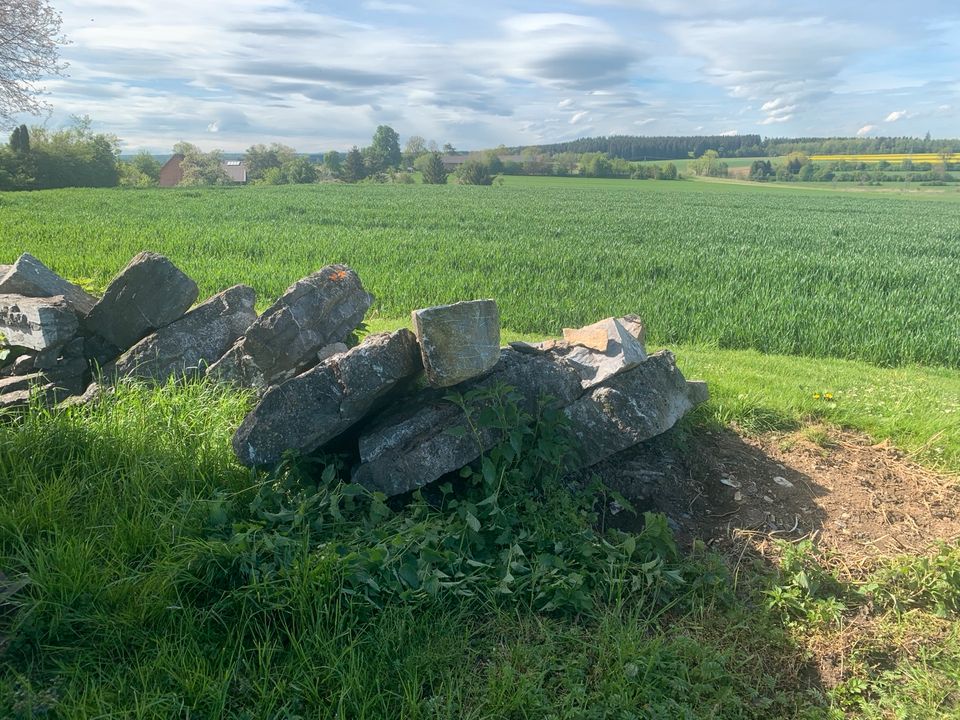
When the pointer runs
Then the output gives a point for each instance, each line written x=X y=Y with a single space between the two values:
x=39 y=159
x=678 y=147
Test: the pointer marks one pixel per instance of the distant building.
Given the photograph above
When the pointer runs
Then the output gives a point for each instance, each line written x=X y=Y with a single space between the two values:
x=172 y=171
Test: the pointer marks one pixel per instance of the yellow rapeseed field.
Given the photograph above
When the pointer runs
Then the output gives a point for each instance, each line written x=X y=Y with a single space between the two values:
x=889 y=157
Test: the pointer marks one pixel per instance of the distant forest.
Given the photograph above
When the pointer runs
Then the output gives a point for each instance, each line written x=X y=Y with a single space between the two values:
x=677 y=147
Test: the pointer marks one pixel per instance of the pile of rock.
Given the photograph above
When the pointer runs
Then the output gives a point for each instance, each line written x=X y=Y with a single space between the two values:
x=382 y=400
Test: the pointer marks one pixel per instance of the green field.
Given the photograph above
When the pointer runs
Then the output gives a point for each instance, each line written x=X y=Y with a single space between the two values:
x=733 y=266
x=166 y=581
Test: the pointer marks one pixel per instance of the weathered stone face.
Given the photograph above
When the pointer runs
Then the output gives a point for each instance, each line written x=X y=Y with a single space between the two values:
x=307 y=411
x=321 y=309
x=31 y=278
x=631 y=407
x=458 y=341
x=149 y=293
x=36 y=323
x=412 y=447
x=608 y=349
x=187 y=346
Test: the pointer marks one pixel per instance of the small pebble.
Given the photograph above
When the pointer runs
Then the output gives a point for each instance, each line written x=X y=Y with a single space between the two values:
x=730 y=482
x=738 y=496
x=767 y=498
x=782 y=481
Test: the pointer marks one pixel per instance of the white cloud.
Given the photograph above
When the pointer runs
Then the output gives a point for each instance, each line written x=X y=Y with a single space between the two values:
x=213 y=127
x=577 y=117
x=645 y=121
x=866 y=130
x=565 y=103
x=729 y=133
x=896 y=115
x=394 y=7
x=789 y=64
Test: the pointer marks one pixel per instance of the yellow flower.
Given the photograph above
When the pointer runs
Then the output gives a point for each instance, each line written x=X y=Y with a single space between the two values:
x=816 y=396
x=828 y=396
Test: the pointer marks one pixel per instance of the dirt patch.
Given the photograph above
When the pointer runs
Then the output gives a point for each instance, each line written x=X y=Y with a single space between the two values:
x=850 y=495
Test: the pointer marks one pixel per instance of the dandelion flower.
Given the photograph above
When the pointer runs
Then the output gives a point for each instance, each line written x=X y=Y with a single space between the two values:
x=828 y=396
x=816 y=396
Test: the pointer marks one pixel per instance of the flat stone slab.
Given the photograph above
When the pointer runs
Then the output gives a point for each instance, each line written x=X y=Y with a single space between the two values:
x=21 y=382
x=308 y=411
x=319 y=310
x=188 y=345
x=459 y=341
x=37 y=323
x=30 y=277
x=149 y=293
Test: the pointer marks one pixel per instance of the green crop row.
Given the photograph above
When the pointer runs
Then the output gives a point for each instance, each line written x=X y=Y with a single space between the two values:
x=735 y=266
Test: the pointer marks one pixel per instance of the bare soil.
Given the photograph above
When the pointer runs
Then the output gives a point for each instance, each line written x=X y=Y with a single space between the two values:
x=864 y=501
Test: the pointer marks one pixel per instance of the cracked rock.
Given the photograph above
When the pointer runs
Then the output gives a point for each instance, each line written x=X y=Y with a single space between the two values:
x=316 y=311
x=187 y=346
x=36 y=323
x=30 y=277
x=149 y=293
x=311 y=409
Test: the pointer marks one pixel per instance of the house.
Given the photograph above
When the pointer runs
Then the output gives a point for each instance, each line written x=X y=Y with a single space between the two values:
x=172 y=171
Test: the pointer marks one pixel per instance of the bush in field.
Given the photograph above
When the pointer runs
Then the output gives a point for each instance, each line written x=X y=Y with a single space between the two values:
x=474 y=172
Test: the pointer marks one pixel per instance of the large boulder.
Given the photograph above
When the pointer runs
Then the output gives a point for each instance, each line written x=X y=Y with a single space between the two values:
x=423 y=441
x=307 y=411
x=36 y=323
x=632 y=407
x=149 y=293
x=187 y=346
x=458 y=341
x=30 y=277
x=321 y=309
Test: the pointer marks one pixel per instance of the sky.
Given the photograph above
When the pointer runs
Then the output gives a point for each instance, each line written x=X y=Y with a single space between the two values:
x=322 y=75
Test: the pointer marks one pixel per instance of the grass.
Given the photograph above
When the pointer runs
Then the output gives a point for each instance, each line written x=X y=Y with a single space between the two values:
x=167 y=581
x=149 y=597
x=823 y=274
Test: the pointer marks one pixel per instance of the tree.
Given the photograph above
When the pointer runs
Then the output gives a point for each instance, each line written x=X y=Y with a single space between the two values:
x=200 y=168
x=353 y=167
x=761 y=170
x=415 y=147
x=669 y=172
x=147 y=164
x=20 y=140
x=474 y=172
x=29 y=36
x=709 y=165
x=260 y=158
x=333 y=162
x=298 y=171
x=384 y=151
x=432 y=169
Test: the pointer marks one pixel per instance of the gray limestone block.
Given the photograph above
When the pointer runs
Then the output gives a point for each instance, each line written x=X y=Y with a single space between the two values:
x=149 y=293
